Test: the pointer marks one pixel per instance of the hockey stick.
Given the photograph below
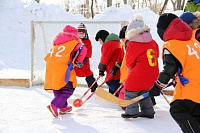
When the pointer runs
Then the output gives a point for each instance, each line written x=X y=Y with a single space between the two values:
x=171 y=83
x=113 y=99
x=78 y=102
x=165 y=96
x=72 y=100
x=109 y=97
x=101 y=99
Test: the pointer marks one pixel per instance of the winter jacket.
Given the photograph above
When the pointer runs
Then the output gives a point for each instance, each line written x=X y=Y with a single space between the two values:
x=141 y=59
x=65 y=46
x=192 y=7
x=111 y=52
x=185 y=50
x=85 y=70
x=196 y=34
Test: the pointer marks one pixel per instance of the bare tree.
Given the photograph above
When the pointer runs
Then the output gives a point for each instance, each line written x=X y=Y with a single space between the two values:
x=178 y=4
x=109 y=3
x=92 y=9
x=96 y=6
x=163 y=8
x=125 y=1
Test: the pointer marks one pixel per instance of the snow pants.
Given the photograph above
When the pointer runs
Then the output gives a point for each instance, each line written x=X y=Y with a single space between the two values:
x=113 y=86
x=61 y=96
x=90 y=80
x=146 y=104
x=187 y=114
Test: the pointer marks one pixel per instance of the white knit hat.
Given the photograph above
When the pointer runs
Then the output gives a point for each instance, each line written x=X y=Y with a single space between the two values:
x=136 y=26
x=136 y=22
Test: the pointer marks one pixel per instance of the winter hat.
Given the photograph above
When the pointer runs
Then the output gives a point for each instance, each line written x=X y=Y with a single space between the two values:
x=196 y=1
x=187 y=17
x=122 y=32
x=136 y=26
x=82 y=28
x=136 y=22
x=71 y=29
x=165 y=19
x=102 y=34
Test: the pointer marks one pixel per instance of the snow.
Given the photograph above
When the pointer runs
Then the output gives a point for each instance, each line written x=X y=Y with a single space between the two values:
x=23 y=110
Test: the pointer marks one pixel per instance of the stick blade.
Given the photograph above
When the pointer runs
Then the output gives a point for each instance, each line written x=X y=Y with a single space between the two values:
x=113 y=99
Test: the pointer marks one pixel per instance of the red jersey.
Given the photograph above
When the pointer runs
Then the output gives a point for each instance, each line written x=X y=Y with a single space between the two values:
x=141 y=59
x=111 y=52
x=85 y=70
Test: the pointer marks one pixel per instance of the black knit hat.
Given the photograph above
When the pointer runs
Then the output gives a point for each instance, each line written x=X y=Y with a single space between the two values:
x=165 y=19
x=82 y=28
x=122 y=32
x=102 y=34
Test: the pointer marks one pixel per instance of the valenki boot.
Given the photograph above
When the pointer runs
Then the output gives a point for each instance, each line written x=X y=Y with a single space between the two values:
x=65 y=110
x=53 y=109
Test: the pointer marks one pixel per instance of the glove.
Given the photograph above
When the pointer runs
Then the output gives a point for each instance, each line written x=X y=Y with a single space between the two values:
x=79 y=65
x=101 y=73
x=156 y=88
x=154 y=91
x=115 y=68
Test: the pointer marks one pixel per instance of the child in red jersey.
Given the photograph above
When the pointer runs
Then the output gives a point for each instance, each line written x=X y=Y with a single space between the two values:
x=60 y=75
x=83 y=69
x=141 y=60
x=111 y=59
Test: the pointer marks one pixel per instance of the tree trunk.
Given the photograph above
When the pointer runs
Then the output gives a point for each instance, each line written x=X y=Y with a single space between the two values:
x=38 y=1
x=109 y=3
x=174 y=4
x=92 y=9
x=163 y=8
x=125 y=1
x=182 y=5
x=97 y=6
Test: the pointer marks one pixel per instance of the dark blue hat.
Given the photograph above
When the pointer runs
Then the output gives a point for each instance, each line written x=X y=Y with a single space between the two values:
x=187 y=17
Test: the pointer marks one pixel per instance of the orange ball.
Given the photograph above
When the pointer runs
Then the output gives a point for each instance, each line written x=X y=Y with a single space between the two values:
x=77 y=103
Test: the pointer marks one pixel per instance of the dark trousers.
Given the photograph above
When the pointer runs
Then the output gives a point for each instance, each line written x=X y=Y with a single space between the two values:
x=187 y=114
x=113 y=86
x=90 y=80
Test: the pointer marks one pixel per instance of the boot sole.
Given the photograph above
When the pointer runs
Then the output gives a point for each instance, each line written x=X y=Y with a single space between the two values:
x=50 y=109
x=62 y=113
x=130 y=116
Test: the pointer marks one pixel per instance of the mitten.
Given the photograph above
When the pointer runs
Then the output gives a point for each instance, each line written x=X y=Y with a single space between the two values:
x=115 y=68
x=79 y=65
x=156 y=88
x=101 y=73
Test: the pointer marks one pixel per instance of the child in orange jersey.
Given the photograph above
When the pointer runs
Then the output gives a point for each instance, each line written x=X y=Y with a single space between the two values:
x=181 y=56
x=60 y=76
x=83 y=69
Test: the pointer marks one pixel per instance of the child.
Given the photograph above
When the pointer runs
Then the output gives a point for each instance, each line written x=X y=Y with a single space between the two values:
x=60 y=76
x=141 y=59
x=180 y=55
x=123 y=70
x=193 y=20
x=83 y=69
x=111 y=59
x=192 y=6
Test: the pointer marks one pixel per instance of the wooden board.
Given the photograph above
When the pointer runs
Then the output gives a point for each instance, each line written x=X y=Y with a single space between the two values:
x=15 y=82
x=168 y=92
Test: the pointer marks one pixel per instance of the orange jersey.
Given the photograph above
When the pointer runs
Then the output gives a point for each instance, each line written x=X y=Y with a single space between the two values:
x=57 y=64
x=188 y=54
x=123 y=70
